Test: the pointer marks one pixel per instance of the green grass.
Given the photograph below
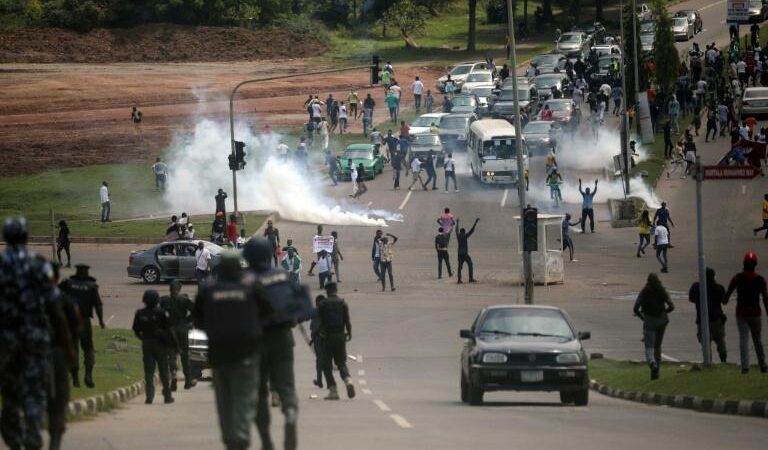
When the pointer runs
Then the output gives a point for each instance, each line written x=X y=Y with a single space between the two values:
x=721 y=381
x=656 y=164
x=118 y=362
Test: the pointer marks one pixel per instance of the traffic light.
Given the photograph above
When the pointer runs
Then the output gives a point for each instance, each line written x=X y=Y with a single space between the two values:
x=240 y=155
x=232 y=163
x=530 y=229
x=375 y=70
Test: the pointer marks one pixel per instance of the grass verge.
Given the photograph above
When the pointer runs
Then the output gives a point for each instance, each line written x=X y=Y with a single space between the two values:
x=118 y=362
x=721 y=381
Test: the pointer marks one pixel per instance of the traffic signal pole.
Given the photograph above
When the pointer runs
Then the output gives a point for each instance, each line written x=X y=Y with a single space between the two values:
x=372 y=68
x=527 y=272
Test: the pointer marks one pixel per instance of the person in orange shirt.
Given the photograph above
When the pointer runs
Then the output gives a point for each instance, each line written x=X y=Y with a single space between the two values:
x=751 y=123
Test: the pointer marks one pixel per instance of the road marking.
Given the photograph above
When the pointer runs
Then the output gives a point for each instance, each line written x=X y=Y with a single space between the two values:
x=369 y=204
x=361 y=372
x=713 y=4
x=405 y=201
x=400 y=420
x=352 y=357
x=504 y=197
x=363 y=383
x=109 y=320
x=669 y=358
x=367 y=392
x=382 y=406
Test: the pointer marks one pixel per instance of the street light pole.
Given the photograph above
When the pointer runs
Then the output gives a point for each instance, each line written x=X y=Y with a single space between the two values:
x=527 y=272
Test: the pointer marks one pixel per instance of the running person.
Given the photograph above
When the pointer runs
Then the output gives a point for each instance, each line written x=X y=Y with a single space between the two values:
x=567 y=242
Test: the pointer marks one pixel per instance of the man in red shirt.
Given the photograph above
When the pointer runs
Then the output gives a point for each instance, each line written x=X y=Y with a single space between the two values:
x=749 y=287
x=232 y=229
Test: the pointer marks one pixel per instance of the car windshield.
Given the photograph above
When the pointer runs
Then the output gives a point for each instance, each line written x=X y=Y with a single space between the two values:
x=482 y=92
x=756 y=93
x=425 y=121
x=559 y=106
x=546 y=82
x=536 y=128
x=534 y=323
x=546 y=60
x=647 y=38
x=461 y=70
x=479 y=77
x=463 y=101
x=679 y=21
x=508 y=95
x=567 y=37
x=499 y=148
x=647 y=27
x=426 y=139
x=454 y=123
x=358 y=154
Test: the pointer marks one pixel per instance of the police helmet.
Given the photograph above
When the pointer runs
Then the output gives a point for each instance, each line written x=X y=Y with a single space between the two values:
x=151 y=297
x=258 y=253
x=15 y=230
x=229 y=268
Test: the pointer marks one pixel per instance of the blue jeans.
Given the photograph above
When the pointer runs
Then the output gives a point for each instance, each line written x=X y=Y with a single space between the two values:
x=376 y=269
x=200 y=274
x=324 y=277
x=105 y=208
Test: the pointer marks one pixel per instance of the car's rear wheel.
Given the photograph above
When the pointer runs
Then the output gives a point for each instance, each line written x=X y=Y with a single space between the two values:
x=464 y=388
x=475 y=395
x=150 y=274
x=566 y=397
x=581 y=398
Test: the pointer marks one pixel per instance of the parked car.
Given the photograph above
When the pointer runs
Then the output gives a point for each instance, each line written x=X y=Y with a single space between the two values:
x=544 y=84
x=503 y=106
x=422 y=123
x=460 y=72
x=477 y=79
x=694 y=19
x=548 y=62
x=364 y=154
x=646 y=42
x=563 y=112
x=754 y=102
x=198 y=352
x=174 y=260
x=482 y=93
x=454 y=130
x=537 y=136
x=575 y=43
x=423 y=143
x=524 y=348
x=464 y=103
x=681 y=29
x=757 y=10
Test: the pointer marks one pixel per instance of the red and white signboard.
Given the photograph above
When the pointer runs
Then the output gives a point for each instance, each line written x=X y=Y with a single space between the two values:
x=730 y=172
x=738 y=11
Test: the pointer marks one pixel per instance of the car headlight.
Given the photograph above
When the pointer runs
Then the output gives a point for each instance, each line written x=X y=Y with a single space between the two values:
x=494 y=358
x=545 y=140
x=568 y=358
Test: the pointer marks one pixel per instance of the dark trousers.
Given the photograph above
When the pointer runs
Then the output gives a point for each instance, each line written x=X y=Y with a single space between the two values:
x=450 y=175
x=317 y=345
x=417 y=101
x=396 y=176
x=750 y=326
x=58 y=396
x=653 y=335
x=335 y=352
x=324 y=277
x=714 y=133
x=431 y=176
x=236 y=385
x=386 y=267
x=764 y=227
x=377 y=267
x=63 y=245
x=86 y=344
x=155 y=354
x=277 y=371
x=332 y=174
x=23 y=378
x=587 y=213
x=182 y=352
x=442 y=256
x=465 y=258
x=716 y=335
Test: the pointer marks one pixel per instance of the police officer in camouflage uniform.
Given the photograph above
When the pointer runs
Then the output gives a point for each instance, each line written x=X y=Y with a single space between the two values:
x=26 y=289
x=180 y=309
x=83 y=288
x=152 y=325
x=290 y=304
x=230 y=310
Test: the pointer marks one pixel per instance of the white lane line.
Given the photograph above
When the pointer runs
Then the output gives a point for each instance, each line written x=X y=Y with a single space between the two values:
x=109 y=320
x=405 y=201
x=713 y=4
x=352 y=357
x=504 y=197
x=669 y=358
x=367 y=391
x=382 y=406
x=361 y=372
x=362 y=383
x=400 y=420
x=369 y=204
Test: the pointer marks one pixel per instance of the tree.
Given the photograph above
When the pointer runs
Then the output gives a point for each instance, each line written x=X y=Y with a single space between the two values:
x=630 y=40
x=407 y=18
x=472 y=33
x=665 y=54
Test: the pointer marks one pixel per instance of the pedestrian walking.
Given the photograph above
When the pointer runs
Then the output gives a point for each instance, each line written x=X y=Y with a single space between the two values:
x=750 y=288
x=336 y=256
x=566 y=225
x=160 y=169
x=368 y=105
x=335 y=332
x=417 y=87
x=715 y=297
x=617 y=94
x=391 y=101
x=390 y=145
x=644 y=230
x=352 y=177
x=711 y=126
x=429 y=101
x=429 y=166
x=416 y=172
x=342 y=118
x=441 y=247
x=84 y=290
x=462 y=236
x=62 y=242
x=353 y=99
x=754 y=232
x=668 y=146
x=231 y=310
x=202 y=261
x=105 y=204
x=673 y=109
x=180 y=310
x=397 y=166
x=376 y=254
x=272 y=235
x=136 y=117
x=662 y=217
x=387 y=255
x=361 y=187
x=653 y=306
x=450 y=172
x=151 y=325
x=324 y=266
x=292 y=264
x=322 y=129
x=587 y=211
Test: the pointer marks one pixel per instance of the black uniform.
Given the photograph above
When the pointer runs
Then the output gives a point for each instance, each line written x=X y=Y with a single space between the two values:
x=64 y=337
x=152 y=325
x=463 y=240
x=334 y=327
x=441 y=246
x=84 y=290
x=180 y=309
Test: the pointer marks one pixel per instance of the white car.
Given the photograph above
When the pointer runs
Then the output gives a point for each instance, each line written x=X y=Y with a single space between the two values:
x=754 y=102
x=603 y=50
x=476 y=79
x=459 y=74
x=422 y=123
x=681 y=29
x=573 y=43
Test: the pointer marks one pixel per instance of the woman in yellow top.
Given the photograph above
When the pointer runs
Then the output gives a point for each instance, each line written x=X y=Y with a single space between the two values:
x=765 y=218
x=644 y=228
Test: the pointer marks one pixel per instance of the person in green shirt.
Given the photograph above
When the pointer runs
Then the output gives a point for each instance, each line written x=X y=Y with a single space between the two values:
x=391 y=100
x=386 y=78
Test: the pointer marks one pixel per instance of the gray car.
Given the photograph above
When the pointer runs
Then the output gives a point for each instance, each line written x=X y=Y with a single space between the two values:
x=169 y=261
x=538 y=136
x=573 y=43
x=423 y=143
x=454 y=130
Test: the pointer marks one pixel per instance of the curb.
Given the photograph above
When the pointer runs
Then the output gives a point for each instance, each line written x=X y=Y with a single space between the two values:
x=753 y=408
x=91 y=406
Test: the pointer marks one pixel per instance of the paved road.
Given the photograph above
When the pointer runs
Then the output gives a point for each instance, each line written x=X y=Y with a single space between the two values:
x=407 y=341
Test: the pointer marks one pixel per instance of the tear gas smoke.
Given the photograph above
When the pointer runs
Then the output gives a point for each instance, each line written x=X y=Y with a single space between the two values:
x=198 y=168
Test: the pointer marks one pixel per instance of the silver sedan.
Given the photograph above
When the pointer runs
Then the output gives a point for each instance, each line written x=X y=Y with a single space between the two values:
x=169 y=261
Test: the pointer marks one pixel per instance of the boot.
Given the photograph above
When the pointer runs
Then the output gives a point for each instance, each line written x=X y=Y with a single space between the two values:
x=723 y=358
x=76 y=378
x=291 y=435
x=350 y=388
x=654 y=371
x=167 y=397
x=173 y=384
x=89 y=377
x=333 y=394
x=190 y=384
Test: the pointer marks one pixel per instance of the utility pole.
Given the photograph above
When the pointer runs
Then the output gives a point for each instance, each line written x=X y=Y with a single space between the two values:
x=527 y=272
x=703 y=305
x=635 y=67
x=624 y=113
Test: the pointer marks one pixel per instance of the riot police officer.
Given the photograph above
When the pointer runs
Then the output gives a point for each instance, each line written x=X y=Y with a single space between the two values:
x=25 y=290
x=290 y=304
x=230 y=310
x=152 y=326
x=83 y=288
x=180 y=309
x=335 y=331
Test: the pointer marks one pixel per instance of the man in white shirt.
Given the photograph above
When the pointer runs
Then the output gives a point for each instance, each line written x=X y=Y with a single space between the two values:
x=353 y=175
x=418 y=88
x=342 y=118
x=161 y=173
x=324 y=265
x=105 y=205
x=662 y=244
x=416 y=170
x=741 y=70
x=282 y=151
x=397 y=91
x=450 y=172
x=203 y=261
